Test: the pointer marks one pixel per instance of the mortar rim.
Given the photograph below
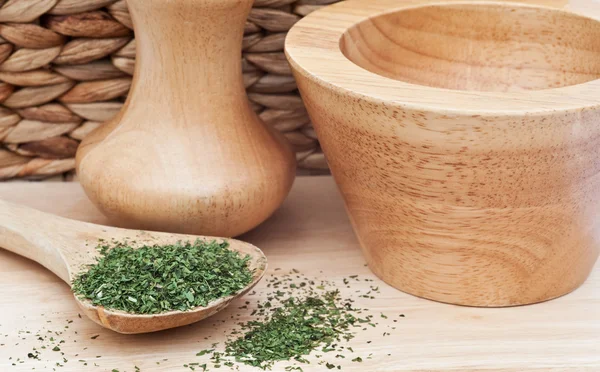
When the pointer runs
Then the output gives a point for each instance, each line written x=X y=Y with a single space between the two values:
x=313 y=50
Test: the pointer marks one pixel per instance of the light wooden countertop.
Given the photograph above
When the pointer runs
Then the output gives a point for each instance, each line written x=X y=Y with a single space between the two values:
x=310 y=233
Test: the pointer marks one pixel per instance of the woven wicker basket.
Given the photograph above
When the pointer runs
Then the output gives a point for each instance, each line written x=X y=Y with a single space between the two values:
x=66 y=66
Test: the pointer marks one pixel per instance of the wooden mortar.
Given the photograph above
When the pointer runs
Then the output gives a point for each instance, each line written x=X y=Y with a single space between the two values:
x=187 y=154
x=465 y=139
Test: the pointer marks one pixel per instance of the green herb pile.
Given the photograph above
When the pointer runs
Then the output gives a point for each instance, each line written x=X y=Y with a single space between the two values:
x=295 y=329
x=160 y=278
x=298 y=321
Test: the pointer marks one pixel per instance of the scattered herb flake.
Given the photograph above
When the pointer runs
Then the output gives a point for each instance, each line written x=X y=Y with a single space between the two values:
x=295 y=329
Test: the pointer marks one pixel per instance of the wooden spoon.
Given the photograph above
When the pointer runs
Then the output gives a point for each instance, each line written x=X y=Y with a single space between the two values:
x=66 y=247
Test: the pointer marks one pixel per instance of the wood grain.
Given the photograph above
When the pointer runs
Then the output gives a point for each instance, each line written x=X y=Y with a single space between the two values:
x=187 y=154
x=312 y=234
x=467 y=178
x=476 y=47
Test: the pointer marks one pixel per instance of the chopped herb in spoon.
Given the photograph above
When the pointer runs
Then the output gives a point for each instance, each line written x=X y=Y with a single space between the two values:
x=160 y=278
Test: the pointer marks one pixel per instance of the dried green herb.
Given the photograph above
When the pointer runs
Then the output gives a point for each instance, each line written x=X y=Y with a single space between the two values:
x=297 y=317
x=294 y=330
x=158 y=278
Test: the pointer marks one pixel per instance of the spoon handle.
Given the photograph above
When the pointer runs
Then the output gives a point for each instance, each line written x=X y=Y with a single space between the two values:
x=36 y=235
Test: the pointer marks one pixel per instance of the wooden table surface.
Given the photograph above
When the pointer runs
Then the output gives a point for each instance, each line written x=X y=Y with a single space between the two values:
x=310 y=233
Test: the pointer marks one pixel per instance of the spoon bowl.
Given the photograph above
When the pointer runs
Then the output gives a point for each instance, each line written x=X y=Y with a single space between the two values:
x=66 y=247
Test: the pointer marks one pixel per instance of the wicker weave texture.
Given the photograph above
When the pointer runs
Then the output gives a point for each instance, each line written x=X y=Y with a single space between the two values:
x=66 y=66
